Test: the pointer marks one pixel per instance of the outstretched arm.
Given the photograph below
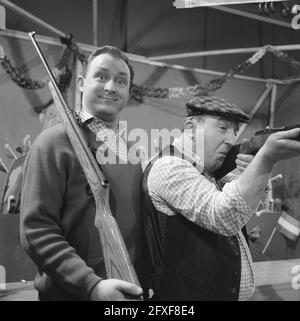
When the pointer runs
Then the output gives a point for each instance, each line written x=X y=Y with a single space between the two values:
x=254 y=179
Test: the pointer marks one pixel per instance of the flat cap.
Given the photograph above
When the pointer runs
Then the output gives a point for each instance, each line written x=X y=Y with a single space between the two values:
x=210 y=105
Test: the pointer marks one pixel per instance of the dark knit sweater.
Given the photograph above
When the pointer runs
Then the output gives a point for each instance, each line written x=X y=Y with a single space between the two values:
x=57 y=217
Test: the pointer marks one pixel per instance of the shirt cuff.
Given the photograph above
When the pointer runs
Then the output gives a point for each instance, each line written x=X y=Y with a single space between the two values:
x=90 y=282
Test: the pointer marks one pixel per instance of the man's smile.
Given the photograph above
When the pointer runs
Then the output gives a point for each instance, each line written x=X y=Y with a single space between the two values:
x=108 y=98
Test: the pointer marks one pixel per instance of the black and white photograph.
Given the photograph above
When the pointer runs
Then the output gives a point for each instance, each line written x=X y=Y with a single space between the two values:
x=149 y=153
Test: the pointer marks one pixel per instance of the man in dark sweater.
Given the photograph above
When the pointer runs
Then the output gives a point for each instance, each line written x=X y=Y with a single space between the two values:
x=57 y=207
x=195 y=246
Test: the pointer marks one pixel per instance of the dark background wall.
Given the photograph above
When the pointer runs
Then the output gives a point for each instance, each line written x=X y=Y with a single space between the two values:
x=151 y=28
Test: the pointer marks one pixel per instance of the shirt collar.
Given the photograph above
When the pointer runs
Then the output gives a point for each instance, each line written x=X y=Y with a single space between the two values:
x=84 y=117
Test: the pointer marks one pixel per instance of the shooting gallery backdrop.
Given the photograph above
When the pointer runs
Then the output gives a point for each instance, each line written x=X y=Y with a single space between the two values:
x=142 y=29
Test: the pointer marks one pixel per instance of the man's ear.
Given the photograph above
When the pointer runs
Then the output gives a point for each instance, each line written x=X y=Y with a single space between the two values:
x=188 y=129
x=80 y=83
x=189 y=124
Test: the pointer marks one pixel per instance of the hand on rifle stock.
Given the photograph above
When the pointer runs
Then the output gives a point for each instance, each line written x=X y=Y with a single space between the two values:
x=116 y=290
x=242 y=161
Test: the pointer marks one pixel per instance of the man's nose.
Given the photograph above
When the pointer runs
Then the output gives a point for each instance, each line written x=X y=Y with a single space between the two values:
x=230 y=138
x=110 y=86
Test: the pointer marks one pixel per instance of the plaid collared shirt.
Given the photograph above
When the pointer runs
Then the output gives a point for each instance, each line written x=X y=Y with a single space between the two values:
x=175 y=185
x=111 y=139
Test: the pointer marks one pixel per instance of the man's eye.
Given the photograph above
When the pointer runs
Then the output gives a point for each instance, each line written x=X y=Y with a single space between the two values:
x=223 y=128
x=102 y=77
x=122 y=82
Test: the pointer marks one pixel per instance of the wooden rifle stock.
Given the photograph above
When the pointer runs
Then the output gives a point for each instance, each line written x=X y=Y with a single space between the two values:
x=250 y=147
x=117 y=261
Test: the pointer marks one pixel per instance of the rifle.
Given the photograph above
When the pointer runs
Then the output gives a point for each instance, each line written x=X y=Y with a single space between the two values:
x=250 y=147
x=116 y=257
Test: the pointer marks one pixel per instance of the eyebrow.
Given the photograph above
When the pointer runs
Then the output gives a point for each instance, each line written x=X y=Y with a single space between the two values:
x=107 y=70
x=236 y=125
x=222 y=120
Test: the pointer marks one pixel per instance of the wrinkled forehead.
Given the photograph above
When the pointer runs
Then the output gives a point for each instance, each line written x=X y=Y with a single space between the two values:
x=215 y=120
x=106 y=61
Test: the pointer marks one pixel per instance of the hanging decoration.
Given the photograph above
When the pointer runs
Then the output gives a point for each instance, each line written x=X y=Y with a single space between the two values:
x=205 y=89
x=64 y=72
x=21 y=80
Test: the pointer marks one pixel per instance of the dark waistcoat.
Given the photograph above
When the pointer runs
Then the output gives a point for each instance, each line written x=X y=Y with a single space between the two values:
x=184 y=261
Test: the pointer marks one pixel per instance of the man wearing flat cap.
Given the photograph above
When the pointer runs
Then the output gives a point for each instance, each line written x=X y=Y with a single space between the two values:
x=194 y=245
